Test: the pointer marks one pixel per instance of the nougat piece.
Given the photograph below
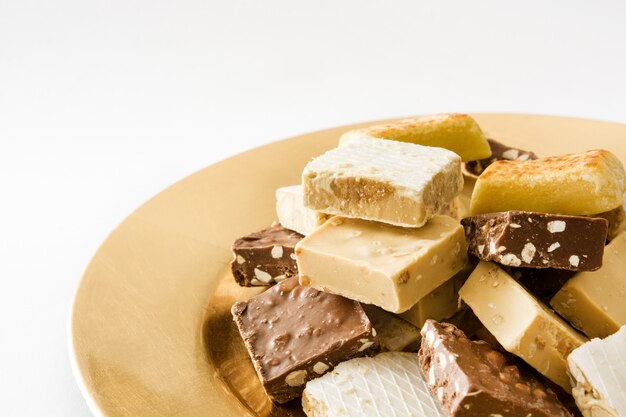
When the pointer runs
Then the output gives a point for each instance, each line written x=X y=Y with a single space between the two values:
x=537 y=240
x=375 y=263
x=294 y=334
x=457 y=132
x=292 y=213
x=577 y=184
x=387 y=385
x=598 y=373
x=472 y=379
x=265 y=257
x=499 y=152
x=522 y=325
x=394 y=334
x=456 y=209
x=595 y=302
x=387 y=181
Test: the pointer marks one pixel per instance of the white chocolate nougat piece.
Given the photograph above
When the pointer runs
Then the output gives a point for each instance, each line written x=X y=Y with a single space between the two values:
x=598 y=374
x=387 y=181
x=292 y=213
x=522 y=325
x=375 y=263
x=578 y=184
x=388 y=385
x=457 y=132
x=595 y=302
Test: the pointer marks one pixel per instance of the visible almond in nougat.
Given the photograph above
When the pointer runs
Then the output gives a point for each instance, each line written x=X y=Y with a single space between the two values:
x=577 y=184
x=388 y=266
x=456 y=132
x=386 y=181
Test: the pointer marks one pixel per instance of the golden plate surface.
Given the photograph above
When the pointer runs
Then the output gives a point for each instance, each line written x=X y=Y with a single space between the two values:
x=151 y=332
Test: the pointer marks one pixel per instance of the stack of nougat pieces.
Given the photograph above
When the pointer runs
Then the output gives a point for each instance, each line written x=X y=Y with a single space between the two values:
x=378 y=242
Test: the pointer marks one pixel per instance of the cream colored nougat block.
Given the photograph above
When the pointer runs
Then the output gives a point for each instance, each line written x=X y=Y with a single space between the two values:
x=522 y=325
x=292 y=213
x=387 y=181
x=598 y=372
x=394 y=334
x=595 y=302
x=375 y=263
x=457 y=132
x=578 y=184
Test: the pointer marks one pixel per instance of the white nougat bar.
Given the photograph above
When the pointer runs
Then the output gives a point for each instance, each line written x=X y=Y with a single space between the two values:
x=522 y=325
x=388 y=385
x=392 y=182
x=594 y=302
x=598 y=373
x=292 y=213
x=375 y=263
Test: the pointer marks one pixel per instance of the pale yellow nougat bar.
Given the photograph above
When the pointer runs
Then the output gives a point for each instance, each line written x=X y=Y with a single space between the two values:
x=595 y=302
x=387 y=181
x=457 y=132
x=375 y=263
x=578 y=184
x=522 y=325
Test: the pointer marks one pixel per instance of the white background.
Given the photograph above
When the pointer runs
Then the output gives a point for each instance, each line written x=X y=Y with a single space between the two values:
x=105 y=103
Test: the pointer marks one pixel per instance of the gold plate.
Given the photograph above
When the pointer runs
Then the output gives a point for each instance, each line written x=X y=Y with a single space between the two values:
x=151 y=331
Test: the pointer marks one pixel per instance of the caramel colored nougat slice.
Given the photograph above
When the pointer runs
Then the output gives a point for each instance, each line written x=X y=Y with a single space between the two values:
x=388 y=266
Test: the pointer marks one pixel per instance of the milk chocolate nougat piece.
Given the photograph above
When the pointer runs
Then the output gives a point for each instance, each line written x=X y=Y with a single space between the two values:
x=471 y=379
x=578 y=184
x=537 y=240
x=265 y=257
x=294 y=334
x=383 y=180
x=457 y=132
x=499 y=152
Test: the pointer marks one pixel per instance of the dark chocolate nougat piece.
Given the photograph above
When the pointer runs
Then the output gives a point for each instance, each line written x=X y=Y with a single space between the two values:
x=537 y=240
x=265 y=257
x=472 y=379
x=295 y=333
x=499 y=152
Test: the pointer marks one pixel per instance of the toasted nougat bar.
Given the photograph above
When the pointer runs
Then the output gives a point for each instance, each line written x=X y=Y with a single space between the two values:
x=577 y=184
x=457 y=132
x=391 y=182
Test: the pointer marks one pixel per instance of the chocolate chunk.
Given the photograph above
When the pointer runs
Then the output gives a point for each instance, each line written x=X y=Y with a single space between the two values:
x=265 y=257
x=499 y=152
x=294 y=334
x=470 y=378
x=537 y=240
